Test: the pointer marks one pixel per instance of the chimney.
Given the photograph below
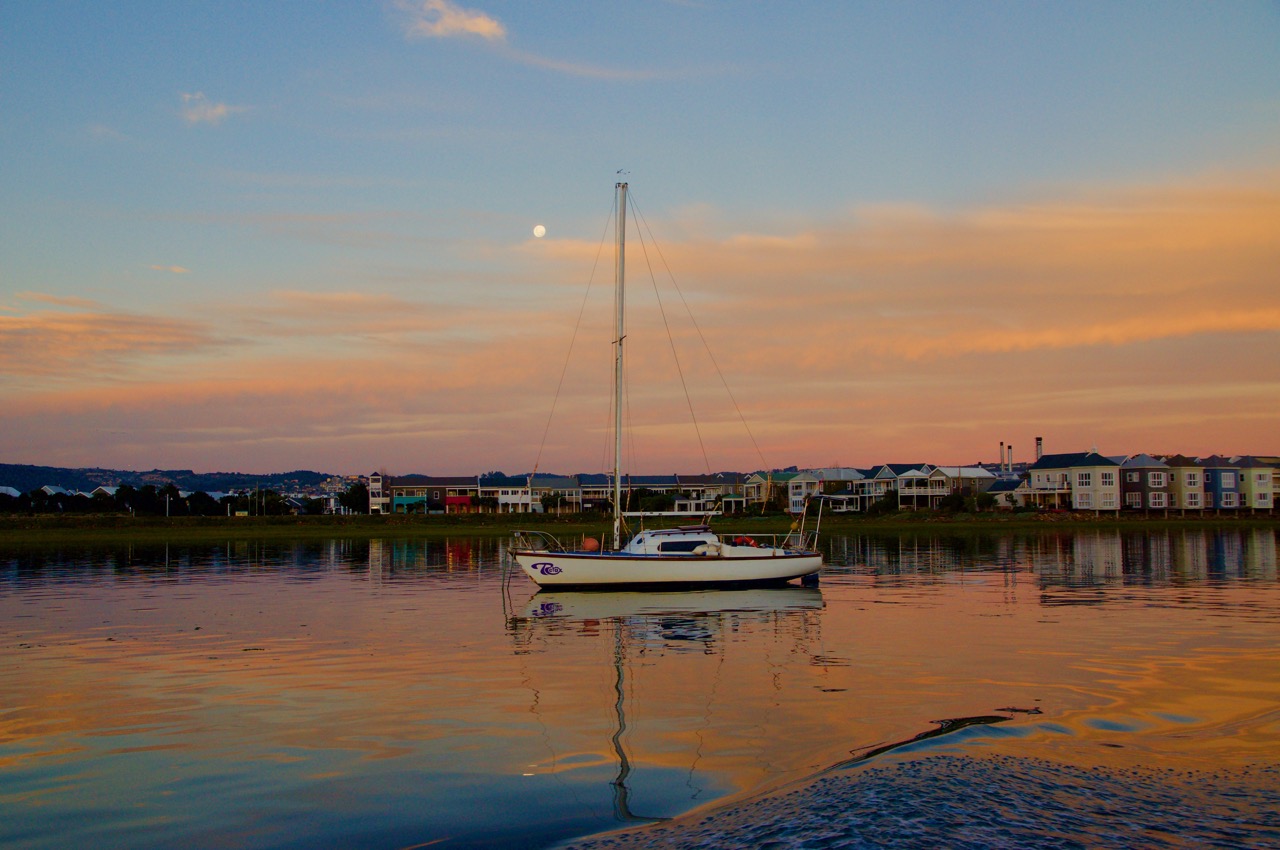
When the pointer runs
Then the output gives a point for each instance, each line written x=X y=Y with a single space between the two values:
x=1010 y=469
x=1002 y=455
x=1039 y=447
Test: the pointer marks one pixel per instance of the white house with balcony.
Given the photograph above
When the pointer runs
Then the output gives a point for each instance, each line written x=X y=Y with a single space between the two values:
x=1082 y=481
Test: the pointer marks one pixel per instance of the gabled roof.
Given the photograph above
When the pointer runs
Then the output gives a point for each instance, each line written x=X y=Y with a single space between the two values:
x=9 y=491
x=962 y=472
x=1006 y=485
x=716 y=479
x=1144 y=461
x=1178 y=460
x=1071 y=460
x=838 y=473
x=1217 y=462
x=894 y=470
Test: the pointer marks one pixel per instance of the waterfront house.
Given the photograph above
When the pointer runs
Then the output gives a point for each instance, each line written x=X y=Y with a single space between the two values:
x=702 y=494
x=786 y=490
x=556 y=494
x=1144 y=483
x=1221 y=483
x=1082 y=481
x=510 y=493
x=1257 y=483
x=1009 y=493
x=965 y=480
x=891 y=478
x=1186 y=483
x=410 y=494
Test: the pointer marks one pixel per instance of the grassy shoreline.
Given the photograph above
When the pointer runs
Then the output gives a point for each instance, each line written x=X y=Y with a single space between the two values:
x=36 y=530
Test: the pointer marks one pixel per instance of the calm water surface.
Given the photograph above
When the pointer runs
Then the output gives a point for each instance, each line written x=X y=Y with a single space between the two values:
x=393 y=694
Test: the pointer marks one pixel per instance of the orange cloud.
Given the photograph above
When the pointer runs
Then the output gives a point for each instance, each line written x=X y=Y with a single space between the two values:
x=91 y=343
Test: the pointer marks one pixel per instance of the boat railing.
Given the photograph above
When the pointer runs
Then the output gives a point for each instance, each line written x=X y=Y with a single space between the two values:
x=536 y=541
x=792 y=541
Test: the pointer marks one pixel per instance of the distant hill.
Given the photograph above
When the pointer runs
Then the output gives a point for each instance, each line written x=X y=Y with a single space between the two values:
x=25 y=478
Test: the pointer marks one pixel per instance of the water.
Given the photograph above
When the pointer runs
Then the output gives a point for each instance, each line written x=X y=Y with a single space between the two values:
x=1090 y=689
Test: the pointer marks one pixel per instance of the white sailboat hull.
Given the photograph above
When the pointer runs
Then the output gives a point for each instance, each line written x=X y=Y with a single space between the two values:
x=621 y=569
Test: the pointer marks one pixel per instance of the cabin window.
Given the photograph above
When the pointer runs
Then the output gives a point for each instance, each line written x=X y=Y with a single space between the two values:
x=678 y=546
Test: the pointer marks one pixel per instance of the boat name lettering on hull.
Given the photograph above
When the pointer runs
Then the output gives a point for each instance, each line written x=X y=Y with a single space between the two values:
x=548 y=569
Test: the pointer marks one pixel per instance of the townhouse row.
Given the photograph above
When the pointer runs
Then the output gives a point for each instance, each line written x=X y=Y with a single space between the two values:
x=1091 y=481
x=1086 y=481
x=684 y=494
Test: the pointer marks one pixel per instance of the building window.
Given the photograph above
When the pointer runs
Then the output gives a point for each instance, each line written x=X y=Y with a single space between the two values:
x=1084 y=479
x=1193 y=500
x=1262 y=501
x=1084 y=500
x=1133 y=499
x=1108 y=501
x=1156 y=479
x=1261 y=477
x=1228 y=500
x=1157 y=500
x=1131 y=477
x=1193 y=479
x=1228 y=479
x=1108 y=479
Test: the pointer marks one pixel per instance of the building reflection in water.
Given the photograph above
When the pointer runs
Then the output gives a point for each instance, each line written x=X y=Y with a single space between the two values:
x=1071 y=558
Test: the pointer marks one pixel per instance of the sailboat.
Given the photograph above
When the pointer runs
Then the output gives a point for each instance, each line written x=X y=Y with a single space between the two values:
x=685 y=556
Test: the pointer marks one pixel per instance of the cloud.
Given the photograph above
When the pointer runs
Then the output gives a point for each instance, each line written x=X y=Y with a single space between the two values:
x=56 y=300
x=91 y=343
x=443 y=19
x=172 y=269
x=198 y=109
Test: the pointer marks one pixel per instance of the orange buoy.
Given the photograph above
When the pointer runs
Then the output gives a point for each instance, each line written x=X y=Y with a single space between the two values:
x=590 y=544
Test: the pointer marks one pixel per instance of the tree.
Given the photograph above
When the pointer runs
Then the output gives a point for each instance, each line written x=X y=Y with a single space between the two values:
x=886 y=504
x=356 y=498
x=202 y=504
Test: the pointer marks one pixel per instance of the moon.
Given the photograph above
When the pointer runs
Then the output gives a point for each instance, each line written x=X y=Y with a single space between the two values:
x=539 y=231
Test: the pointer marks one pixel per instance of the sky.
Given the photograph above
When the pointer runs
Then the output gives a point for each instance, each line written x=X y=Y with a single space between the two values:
x=258 y=237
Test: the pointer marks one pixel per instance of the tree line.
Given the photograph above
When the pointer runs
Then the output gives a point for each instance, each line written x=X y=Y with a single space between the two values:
x=167 y=500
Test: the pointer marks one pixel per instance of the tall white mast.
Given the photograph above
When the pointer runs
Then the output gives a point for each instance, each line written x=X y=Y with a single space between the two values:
x=619 y=275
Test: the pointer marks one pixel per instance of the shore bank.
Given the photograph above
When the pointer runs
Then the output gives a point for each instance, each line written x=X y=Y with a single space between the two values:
x=45 y=529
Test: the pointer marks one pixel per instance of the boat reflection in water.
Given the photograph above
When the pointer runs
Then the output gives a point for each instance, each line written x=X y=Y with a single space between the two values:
x=678 y=699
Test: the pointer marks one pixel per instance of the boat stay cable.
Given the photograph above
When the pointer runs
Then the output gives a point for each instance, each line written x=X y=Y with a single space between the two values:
x=577 y=325
x=701 y=336
x=662 y=310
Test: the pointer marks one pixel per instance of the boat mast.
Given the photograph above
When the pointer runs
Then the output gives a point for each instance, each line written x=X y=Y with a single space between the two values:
x=619 y=276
